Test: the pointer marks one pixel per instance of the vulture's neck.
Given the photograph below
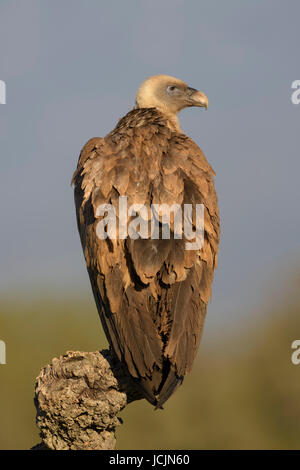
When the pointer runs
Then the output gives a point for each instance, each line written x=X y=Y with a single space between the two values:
x=172 y=121
x=171 y=118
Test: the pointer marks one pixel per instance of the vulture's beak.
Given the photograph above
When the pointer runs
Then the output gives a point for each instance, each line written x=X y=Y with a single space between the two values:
x=197 y=98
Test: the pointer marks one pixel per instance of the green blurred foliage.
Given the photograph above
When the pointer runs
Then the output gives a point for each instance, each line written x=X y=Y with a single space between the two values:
x=243 y=392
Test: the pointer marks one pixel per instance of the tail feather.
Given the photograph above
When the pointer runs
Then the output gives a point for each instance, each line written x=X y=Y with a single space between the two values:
x=171 y=383
x=146 y=389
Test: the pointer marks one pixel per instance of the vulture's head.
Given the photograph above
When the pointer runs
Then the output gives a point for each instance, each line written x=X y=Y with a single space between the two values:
x=169 y=95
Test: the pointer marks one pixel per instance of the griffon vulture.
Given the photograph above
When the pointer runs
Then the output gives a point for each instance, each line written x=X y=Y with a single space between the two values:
x=151 y=294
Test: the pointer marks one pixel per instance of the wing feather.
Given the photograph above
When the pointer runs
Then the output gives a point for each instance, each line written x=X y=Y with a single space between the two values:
x=151 y=294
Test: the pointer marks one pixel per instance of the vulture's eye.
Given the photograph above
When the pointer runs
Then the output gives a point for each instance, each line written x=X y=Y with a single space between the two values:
x=171 y=88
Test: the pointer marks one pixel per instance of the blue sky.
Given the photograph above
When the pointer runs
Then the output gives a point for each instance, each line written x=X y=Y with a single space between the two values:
x=72 y=69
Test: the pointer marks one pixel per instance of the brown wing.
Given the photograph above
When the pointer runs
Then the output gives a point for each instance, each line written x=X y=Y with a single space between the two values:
x=151 y=294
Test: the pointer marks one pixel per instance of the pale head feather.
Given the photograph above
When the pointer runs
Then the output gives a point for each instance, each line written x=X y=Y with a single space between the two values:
x=155 y=92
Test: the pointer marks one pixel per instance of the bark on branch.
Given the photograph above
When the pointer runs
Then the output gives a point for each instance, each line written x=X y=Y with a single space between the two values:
x=78 y=397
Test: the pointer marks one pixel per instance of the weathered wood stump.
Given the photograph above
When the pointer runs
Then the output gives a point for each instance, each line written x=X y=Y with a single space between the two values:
x=78 y=397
